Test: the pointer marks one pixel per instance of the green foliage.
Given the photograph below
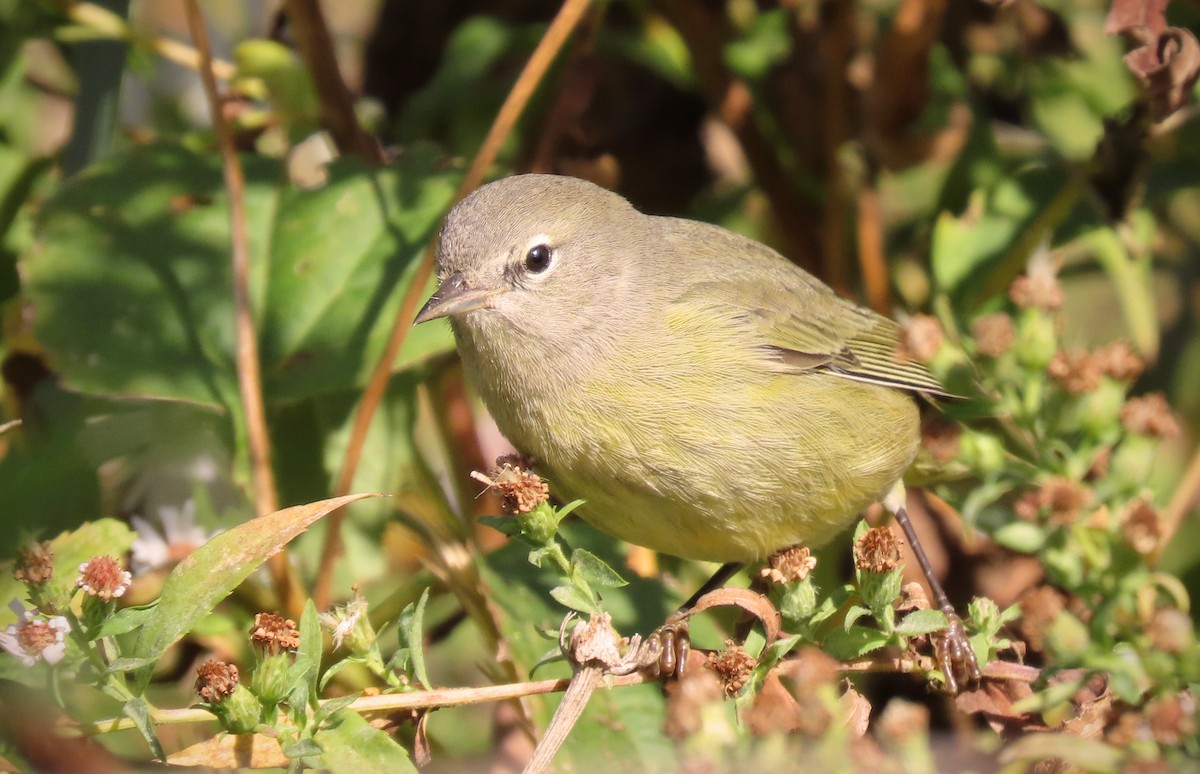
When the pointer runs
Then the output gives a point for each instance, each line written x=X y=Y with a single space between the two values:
x=1008 y=170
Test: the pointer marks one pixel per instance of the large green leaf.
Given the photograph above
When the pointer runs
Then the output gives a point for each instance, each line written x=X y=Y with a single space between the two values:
x=351 y=744
x=215 y=569
x=129 y=274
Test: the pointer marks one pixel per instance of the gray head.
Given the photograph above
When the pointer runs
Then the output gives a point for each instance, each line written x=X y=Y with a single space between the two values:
x=529 y=253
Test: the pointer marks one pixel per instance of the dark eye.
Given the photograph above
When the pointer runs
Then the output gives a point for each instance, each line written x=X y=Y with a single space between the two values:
x=537 y=260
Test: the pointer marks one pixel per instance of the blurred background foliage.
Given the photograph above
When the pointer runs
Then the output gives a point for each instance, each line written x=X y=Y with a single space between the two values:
x=917 y=155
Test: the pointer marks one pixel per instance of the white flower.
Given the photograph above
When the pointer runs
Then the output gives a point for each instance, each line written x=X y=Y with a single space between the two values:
x=34 y=638
x=179 y=537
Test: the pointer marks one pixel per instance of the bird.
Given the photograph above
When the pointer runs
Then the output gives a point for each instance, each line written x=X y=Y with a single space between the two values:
x=705 y=396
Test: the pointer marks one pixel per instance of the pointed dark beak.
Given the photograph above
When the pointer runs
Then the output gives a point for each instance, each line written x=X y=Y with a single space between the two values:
x=454 y=297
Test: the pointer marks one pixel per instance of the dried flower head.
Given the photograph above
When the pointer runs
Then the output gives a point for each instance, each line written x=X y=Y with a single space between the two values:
x=1039 y=607
x=216 y=679
x=994 y=334
x=32 y=638
x=733 y=665
x=35 y=565
x=1120 y=361
x=1170 y=630
x=788 y=565
x=1063 y=499
x=1141 y=526
x=1039 y=289
x=104 y=578
x=273 y=634
x=921 y=338
x=902 y=722
x=1076 y=372
x=1149 y=414
x=1172 y=719
x=521 y=490
x=941 y=439
x=878 y=550
x=342 y=620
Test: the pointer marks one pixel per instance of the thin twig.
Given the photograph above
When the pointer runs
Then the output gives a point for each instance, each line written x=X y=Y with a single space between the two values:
x=458 y=697
x=336 y=102
x=1184 y=499
x=246 y=355
x=110 y=25
x=543 y=56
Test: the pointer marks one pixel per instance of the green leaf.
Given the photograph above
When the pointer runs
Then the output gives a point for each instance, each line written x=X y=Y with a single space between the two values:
x=853 y=614
x=922 y=622
x=329 y=708
x=854 y=642
x=308 y=657
x=215 y=569
x=140 y=243
x=1021 y=536
x=351 y=745
x=505 y=525
x=574 y=598
x=125 y=620
x=595 y=571
x=301 y=748
x=139 y=712
x=411 y=628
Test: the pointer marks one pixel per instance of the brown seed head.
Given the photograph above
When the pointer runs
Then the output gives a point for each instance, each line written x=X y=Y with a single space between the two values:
x=1063 y=499
x=521 y=490
x=35 y=565
x=1172 y=719
x=921 y=338
x=733 y=666
x=1037 y=290
x=273 y=633
x=1150 y=414
x=1141 y=526
x=215 y=680
x=1120 y=361
x=1170 y=630
x=993 y=333
x=1076 y=372
x=1039 y=607
x=104 y=578
x=878 y=550
x=902 y=722
x=788 y=565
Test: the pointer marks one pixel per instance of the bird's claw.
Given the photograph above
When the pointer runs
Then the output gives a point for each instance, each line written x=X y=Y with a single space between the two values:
x=663 y=653
x=955 y=656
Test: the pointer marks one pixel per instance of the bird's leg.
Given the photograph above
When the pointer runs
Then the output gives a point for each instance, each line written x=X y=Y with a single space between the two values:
x=955 y=656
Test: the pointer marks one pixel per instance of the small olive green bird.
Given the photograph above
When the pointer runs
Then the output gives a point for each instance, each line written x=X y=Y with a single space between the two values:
x=705 y=396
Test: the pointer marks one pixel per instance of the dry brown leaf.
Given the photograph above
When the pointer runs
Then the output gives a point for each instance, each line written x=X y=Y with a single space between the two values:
x=858 y=712
x=774 y=709
x=753 y=603
x=1165 y=60
x=230 y=751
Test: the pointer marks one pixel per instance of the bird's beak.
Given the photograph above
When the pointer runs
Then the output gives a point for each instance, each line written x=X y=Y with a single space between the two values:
x=453 y=297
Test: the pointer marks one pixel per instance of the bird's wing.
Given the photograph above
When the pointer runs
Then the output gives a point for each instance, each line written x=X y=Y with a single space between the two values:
x=804 y=326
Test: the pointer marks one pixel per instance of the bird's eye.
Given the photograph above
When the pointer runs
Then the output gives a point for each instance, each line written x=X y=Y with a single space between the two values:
x=537 y=260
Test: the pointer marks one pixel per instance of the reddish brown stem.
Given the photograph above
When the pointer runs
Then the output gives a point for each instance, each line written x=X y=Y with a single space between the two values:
x=246 y=355
x=336 y=101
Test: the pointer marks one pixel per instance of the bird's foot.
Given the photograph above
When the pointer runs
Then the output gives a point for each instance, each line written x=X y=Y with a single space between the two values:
x=955 y=656
x=662 y=653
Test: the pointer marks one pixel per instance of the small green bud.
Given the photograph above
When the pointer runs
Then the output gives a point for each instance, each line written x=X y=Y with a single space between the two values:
x=1099 y=412
x=1037 y=340
x=982 y=452
x=540 y=524
x=1133 y=461
x=270 y=681
x=1067 y=637
x=797 y=601
x=240 y=712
